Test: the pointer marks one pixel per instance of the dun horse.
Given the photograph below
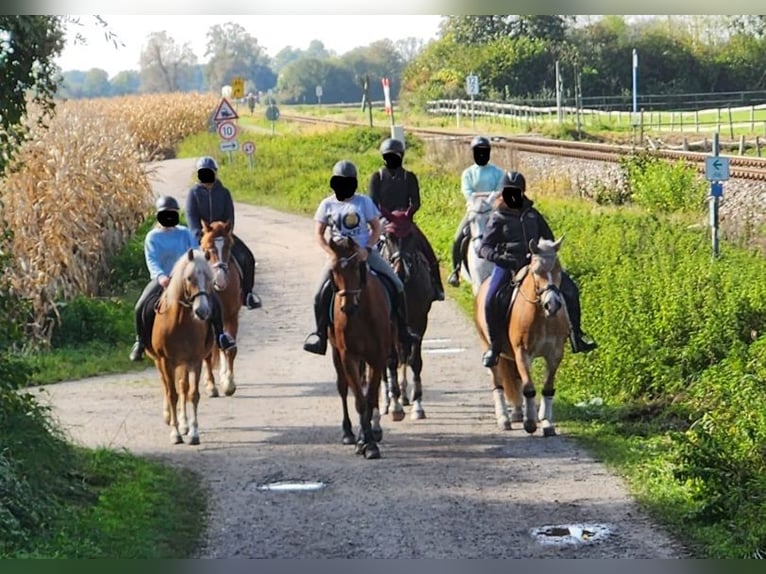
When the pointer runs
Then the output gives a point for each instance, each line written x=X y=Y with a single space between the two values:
x=216 y=241
x=181 y=338
x=538 y=327
x=363 y=340
x=412 y=268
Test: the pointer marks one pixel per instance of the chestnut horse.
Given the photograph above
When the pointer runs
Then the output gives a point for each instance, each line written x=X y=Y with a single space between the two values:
x=363 y=342
x=538 y=327
x=217 y=239
x=411 y=265
x=181 y=338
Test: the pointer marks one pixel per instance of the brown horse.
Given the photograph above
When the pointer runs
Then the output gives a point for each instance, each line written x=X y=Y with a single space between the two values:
x=411 y=265
x=538 y=327
x=181 y=338
x=363 y=342
x=217 y=239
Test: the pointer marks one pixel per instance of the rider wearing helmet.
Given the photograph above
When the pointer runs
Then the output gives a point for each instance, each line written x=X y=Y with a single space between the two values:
x=394 y=188
x=163 y=245
x=356 y=216
x=512 y=224
x=210 y=200
x=481 y=177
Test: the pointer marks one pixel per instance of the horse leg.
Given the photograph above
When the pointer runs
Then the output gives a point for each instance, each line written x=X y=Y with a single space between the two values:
x=168 y=374
x=210 y=386
x=386 y=390
x=500 y=379
x=192 y=396
x=416 y=364
x=546 y=405
x=342 y=386
x=513 y=391
x=524 y=366
x=227 y=371
x=182 y=376
x=395 y=393
x=404 y=383
x=368 y=413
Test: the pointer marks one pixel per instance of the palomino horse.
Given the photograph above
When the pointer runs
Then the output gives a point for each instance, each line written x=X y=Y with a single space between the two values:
x=538 y=327
x=363 y=342
x=474 y=267
x=412 y=268
x=216 y=241
x=181 y=338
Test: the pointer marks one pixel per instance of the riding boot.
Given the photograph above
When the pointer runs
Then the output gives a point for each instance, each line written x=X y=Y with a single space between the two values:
x=496 y=323
x=225 y=340
x=454 y=277
x=406 y=337
x=572 y=299
x=316 y=342
x=137 y=352
x=436 y=281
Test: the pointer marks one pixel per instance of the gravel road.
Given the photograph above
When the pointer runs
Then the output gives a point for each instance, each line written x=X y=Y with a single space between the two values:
x=449 y=486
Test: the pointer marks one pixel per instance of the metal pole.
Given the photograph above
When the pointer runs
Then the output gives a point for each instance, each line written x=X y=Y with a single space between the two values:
x=473 y=115
x=635 y=81
x=714 y=205
x=559 y=113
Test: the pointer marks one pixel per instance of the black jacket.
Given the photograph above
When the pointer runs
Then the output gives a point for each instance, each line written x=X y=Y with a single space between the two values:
x=509 y=232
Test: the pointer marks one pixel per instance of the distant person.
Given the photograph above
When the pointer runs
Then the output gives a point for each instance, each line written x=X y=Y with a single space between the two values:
x=251 y=102
x=481 y=177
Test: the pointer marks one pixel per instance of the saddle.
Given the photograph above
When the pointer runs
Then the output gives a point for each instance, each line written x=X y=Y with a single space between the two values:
x=507 y=293
x=388 y=287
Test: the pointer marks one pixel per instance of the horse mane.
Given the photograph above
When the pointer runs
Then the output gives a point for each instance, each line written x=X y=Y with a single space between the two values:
x=174 y=290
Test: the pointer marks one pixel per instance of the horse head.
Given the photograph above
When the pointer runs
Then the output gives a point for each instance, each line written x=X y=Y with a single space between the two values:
x=349 y=276
x=545 y=269
x=217 y=240
x=479 y=210
x=190 y=282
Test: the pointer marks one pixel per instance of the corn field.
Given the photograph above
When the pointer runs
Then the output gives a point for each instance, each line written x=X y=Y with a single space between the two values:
x=78 y=190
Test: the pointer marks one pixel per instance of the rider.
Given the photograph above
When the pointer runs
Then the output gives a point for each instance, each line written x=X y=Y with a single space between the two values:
x=163 y=245
x=209 y=200
x=482 y=177
x=512 y=224
x=394 y=188
x=357 y=217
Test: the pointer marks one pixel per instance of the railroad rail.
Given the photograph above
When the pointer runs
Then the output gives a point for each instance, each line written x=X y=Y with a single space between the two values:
x=750 y=168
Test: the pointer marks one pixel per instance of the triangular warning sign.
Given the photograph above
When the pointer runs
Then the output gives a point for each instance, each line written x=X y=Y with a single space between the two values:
x=224 y=112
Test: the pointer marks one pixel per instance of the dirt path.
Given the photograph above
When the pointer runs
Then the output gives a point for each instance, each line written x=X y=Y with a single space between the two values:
x=450 y=486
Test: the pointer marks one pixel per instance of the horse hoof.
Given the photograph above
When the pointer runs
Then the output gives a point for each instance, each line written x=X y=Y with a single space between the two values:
x=348 y=439
x=231 y=391
x=360 y=448
x=506 y=425
x=517 y=417
x=530 y=426
x=213 y=393
x=418 y=415
x=372 y=452
x=176 y=440
x=397 y=416
x=377 y=434
x=405 y=401
x=549 y=431
x=194 y=440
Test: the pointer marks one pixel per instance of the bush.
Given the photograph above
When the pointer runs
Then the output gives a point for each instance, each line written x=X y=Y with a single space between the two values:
x=657 y=185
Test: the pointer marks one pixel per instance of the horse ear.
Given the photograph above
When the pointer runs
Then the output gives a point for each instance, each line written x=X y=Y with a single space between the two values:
x=205 y=225
x=227 y=227
x=557 y=244
x=533 y=245
x=190 y=254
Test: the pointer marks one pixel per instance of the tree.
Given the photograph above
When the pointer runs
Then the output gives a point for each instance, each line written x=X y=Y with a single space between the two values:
x=235 y=53
x=409 y=48
x=378 y=60
x=298 y=81
x=126 y=82
x=164 y=64
x=28 y=48
x=96 y=83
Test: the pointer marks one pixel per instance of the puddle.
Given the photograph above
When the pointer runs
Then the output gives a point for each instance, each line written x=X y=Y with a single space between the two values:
x=571 y=533
x=292 y=486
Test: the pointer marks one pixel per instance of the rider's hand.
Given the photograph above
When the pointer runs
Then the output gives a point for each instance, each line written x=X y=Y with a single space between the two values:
x=163 y=280
x=363 y=252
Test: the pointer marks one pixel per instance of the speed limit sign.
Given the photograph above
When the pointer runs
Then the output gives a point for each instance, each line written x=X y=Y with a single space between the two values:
x=248 y=148
x=227 y=130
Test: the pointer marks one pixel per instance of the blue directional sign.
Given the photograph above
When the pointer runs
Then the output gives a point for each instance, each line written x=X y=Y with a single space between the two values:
x=716 y=189
x=716 y=168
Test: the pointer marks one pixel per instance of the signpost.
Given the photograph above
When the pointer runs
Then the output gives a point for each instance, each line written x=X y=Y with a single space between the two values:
x=472 y=89
x=249 y=148
x=319 y=94
x=224 y=118
x=227 y=130
x=716 y=171
x=238 y=87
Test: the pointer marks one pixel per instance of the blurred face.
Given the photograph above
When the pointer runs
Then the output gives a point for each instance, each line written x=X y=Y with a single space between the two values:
x=392 y=160
x=481 y=155
x=168 y=218
x=512 y=196
x=206 y=175
x=344 y=187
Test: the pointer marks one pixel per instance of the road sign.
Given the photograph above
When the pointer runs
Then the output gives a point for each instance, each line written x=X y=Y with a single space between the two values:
x=248 y=148
x=229 y=146
x=224 y=111
x=237 y=87
x=716 y=168
x=227 y=130
x=472 y=85
x=319 y=91
x=716 y=189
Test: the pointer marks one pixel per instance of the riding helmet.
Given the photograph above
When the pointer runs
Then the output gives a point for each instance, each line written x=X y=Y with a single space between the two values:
x=344 y=168
x=514 y=179
x=480 y=141
x=167 y=203
x=207 y=162
x=391 y=145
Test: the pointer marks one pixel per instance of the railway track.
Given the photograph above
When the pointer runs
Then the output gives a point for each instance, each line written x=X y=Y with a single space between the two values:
x=748 y=168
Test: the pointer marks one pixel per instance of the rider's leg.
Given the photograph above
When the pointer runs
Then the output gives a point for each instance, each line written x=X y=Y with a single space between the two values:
x=406 y=337
x=433 y=263
x=457 y=252
x=316 y=342
x=494 y=315
x=224 y=340
x=152 y=288
x=246 y=261
x=571 y=295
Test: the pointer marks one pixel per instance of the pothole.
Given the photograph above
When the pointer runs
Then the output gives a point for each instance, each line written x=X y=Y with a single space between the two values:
x=292 y=485
x=571 y=533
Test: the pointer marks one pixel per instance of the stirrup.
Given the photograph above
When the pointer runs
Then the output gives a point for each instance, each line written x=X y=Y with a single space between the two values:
x=226 y=342
x=454 y=279
x=318 y=347
x=490 y=358
x=252 y=301
x=580 y=345
x=137 y=352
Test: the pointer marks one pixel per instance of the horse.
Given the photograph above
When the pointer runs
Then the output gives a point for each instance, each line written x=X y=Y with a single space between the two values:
x=474 y=267
x=216 y=241
x=181 y=338
x=412 y=267
x=363 y=340
x=538 y=327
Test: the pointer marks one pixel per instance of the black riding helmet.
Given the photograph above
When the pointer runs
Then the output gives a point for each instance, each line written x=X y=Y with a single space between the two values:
x=167 y=203
x=343 y=180
x=480 y=142
x=515 y=180
x=391 y=145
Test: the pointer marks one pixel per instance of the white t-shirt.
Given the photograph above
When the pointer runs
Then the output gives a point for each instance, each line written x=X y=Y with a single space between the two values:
x=349 y=218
